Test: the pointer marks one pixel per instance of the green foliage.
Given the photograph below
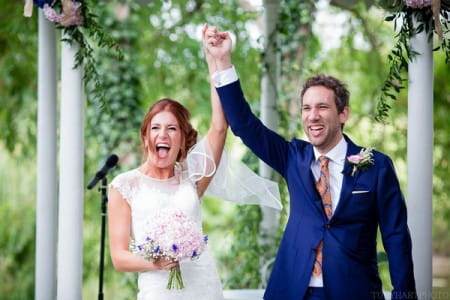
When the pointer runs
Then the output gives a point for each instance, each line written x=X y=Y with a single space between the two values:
x=17 y=232
x=243 y=258
x=402 y=53
x=18 y=54
x=114 y=125
x=441 y=157
x=17 y=250
x=83 y=35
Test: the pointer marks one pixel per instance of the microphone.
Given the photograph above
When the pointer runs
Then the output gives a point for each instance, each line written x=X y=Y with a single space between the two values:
x=110 y=163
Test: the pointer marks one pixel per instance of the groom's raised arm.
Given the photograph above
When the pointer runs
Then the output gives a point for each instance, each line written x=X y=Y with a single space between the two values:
x=265 y=143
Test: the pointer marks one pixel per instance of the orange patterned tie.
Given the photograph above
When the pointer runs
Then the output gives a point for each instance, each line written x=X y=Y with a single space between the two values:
x=324 y=189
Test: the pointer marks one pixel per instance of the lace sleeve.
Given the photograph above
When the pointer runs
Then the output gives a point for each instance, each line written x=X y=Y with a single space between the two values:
x=123 y=185
x=233 y=180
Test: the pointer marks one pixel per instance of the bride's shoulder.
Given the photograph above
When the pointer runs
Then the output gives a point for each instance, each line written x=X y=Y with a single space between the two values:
x=126 y=178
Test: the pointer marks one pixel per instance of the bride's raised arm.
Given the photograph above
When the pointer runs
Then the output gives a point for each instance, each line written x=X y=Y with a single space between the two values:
x=219 y=125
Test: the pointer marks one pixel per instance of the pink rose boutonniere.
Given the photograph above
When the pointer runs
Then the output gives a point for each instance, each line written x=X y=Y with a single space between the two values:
x=362 y=160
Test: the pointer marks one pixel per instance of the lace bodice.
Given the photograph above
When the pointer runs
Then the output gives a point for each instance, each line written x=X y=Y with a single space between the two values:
x=145 y=195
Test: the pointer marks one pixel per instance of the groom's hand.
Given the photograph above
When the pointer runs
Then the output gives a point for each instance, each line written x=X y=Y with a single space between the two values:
x=218 y=45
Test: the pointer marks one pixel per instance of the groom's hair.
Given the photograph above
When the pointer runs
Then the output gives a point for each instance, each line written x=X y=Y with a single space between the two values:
x=341 y=94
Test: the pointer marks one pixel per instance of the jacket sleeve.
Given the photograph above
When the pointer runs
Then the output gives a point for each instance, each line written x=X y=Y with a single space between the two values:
x=265 y=143
x=395 y=233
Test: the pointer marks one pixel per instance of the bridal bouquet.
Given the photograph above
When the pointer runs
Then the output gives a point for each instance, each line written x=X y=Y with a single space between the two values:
x=170 y=234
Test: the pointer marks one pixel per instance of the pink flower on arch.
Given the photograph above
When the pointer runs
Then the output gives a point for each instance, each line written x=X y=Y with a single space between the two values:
x=418 y=3
x=70 y=15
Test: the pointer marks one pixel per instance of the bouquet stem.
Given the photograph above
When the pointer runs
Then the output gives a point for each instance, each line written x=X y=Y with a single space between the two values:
x=175 y=279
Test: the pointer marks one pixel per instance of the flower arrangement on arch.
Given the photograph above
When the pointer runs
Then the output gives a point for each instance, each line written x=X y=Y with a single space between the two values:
x=80 y=27
x=433 y=17
x=70 y=13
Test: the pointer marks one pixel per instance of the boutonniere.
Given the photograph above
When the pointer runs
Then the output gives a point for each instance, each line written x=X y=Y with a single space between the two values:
x=362 y=160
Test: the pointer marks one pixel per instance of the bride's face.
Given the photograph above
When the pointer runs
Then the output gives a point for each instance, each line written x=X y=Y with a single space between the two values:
x=163 y=140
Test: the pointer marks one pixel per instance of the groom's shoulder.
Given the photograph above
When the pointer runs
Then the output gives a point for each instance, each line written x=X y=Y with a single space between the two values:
x=300 y=145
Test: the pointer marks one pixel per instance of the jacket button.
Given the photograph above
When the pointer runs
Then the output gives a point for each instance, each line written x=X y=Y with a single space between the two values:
x=327 y=226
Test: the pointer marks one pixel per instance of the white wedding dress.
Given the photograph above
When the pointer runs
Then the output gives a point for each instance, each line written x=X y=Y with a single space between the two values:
x=147 y=195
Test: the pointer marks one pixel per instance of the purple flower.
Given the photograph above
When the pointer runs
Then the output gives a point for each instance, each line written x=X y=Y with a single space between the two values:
x=194 y=254
x=51 y=14
x=156 y=250
x=174 y=248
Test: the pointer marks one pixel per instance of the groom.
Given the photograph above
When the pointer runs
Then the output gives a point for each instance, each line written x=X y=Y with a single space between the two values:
x=328 y=250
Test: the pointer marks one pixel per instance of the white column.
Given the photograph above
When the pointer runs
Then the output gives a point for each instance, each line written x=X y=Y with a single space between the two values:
x=269 y=97
x=420 y=160
x=71 y=182
x=46 y=201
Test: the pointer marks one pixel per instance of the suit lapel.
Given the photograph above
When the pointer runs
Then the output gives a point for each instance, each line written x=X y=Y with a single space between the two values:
x=348 y=180
x=307 y=178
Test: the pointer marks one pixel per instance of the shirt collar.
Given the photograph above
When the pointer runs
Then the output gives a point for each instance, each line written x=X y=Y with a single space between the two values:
x=337 y=154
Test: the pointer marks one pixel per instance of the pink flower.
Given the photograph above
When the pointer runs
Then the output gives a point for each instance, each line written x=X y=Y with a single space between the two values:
x=51 y=14
x=355 y=159
x=362 y=160
x=418 y=3
x=70 y=15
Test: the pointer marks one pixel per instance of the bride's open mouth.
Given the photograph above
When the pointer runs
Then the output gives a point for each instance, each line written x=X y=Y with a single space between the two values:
x=162 y=149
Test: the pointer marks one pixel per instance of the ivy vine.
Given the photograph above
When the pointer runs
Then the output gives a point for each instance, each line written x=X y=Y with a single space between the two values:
x=83 y=32
x=402 y=53
x=81 y=35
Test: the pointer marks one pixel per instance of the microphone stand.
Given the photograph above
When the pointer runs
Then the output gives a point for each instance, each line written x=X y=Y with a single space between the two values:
x=103 y=190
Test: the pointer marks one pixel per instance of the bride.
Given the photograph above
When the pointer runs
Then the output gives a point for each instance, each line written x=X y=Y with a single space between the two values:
x=176 y=172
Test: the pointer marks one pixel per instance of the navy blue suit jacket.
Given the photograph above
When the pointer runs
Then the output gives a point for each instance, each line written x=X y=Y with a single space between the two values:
x=369 y=199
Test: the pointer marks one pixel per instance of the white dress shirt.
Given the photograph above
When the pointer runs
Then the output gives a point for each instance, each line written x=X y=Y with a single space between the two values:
x=335 y=166
x=225 y=77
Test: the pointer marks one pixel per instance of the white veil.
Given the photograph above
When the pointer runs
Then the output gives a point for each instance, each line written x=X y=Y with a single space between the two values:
x=233 y=180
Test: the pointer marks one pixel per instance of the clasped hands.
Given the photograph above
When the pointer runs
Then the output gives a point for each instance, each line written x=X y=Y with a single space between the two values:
x=217 y=46
x=164 y=263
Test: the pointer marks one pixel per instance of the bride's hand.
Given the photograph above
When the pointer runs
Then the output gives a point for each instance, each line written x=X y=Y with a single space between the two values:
x=164 y=263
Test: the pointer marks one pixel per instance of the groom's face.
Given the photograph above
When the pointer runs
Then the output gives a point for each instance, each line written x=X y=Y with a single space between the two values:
x=321 y=120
